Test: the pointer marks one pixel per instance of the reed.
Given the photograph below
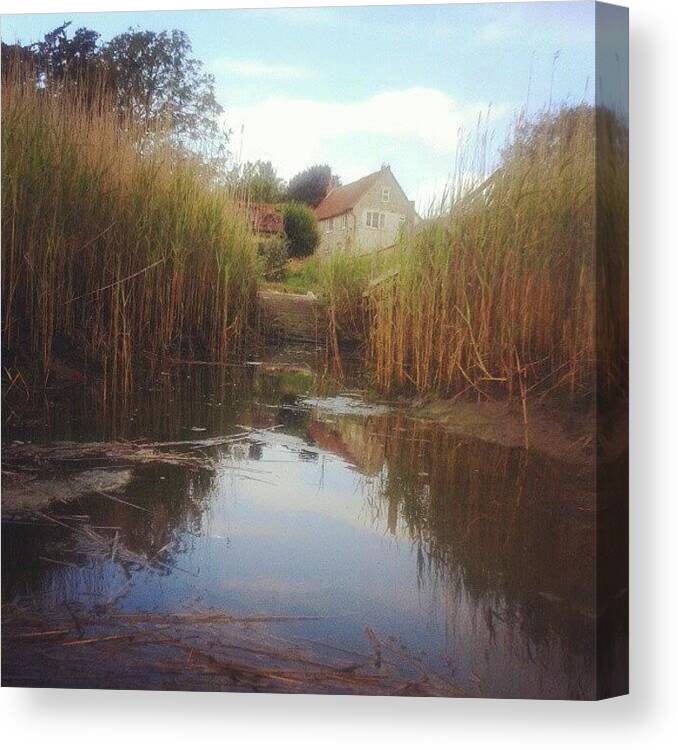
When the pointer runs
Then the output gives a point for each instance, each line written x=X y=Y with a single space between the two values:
x=116 y=247
x=342 y=280
x=499 y=294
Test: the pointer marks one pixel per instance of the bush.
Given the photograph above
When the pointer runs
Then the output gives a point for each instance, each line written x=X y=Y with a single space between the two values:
x=342 y=279
x=272 y=253
x=301 y=229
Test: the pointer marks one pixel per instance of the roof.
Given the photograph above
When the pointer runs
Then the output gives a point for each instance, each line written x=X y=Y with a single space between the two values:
x=265 y=218
x=342 y=199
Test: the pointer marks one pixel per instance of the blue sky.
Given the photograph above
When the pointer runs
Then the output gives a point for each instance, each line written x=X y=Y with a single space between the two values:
x=360 y=86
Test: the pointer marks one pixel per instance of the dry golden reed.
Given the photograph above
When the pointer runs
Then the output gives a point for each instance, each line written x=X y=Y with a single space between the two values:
x=499 y=294
x=115 y=250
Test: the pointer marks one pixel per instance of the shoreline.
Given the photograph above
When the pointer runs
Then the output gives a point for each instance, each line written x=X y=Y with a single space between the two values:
x=561 y=434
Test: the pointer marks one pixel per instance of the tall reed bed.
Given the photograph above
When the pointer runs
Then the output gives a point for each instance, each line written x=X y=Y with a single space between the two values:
x=499 y=294
x=342 y=281
x=112 y=247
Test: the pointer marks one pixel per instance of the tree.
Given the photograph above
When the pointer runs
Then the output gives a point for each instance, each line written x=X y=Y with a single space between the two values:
x=58 y=59
x=150 y=75
x=156 y=79
x=301 y=229
x=257 y=181
x=312 y=185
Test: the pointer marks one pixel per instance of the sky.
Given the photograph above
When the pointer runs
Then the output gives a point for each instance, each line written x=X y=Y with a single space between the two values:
x=358 y=87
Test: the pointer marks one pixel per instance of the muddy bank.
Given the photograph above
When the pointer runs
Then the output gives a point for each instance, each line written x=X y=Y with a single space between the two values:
x=24 y=493
x=561 y=434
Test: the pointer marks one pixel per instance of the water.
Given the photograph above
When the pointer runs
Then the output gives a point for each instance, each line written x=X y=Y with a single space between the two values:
x=475 y=557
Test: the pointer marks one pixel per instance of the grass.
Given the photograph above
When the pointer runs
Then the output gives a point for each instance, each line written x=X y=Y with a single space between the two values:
x=302 y=275
x=116 y=251
x=500 y=293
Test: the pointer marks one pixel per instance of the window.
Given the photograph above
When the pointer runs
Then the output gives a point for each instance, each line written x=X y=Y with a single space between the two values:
x=401 y=219
x=375 y=219
x=386 y=195
x=330 y=225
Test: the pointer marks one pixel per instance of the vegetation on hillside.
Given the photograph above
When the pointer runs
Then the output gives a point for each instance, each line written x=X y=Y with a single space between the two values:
x=273 y=257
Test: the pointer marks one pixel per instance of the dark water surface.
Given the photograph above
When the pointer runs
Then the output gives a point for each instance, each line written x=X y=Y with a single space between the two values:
x=479 y=558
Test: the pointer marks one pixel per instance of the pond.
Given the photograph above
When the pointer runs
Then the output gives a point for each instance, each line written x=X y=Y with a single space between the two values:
x=337 y=508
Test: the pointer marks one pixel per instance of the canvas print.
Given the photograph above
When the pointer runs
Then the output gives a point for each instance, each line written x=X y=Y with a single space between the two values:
x=314 y=350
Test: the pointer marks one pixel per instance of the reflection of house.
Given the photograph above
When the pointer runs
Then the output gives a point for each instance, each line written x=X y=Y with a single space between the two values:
x=351 y=439
x=264 y=218
x=364 y=215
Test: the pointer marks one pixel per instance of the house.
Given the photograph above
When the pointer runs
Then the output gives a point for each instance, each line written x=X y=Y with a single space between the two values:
x=264 y=218
x=365 y=215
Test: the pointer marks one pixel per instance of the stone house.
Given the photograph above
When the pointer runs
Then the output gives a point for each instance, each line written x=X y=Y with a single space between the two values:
x=365 y=215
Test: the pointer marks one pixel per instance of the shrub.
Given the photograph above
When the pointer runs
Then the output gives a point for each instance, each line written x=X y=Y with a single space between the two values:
x=342 y=280
x=301 y=229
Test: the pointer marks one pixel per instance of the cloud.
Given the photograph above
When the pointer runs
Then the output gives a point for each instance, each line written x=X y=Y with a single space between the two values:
x=332 y=17
x=257 y=69
x=493 y=32
x=428 y=196
x=432 y=197
x=293 y=133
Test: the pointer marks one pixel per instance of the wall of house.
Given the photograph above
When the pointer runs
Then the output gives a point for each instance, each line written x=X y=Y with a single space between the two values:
x=396 y=209
x=351 y=231
x=336 y=233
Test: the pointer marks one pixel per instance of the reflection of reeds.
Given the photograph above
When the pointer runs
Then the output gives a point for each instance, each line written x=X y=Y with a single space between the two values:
x=470 y=499
x=111 y=248
x=499 y=292
x=513 y=531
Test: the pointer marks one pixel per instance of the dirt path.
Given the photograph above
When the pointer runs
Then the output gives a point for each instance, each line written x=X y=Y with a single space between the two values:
x=297 y=317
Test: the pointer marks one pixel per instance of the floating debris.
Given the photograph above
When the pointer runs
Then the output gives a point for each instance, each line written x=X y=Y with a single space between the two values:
x=205 y=650
x=348 y=405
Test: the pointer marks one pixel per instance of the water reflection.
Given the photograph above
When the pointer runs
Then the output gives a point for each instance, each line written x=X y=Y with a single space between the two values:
x=478 y=556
